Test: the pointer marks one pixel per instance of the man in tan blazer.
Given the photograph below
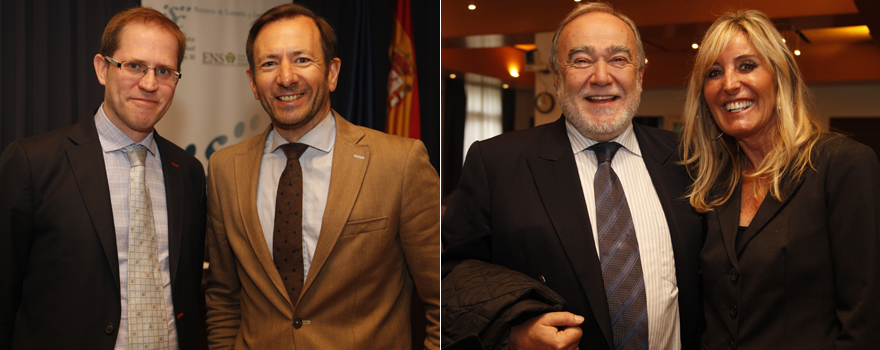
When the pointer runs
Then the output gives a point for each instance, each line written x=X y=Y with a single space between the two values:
x=369 y=215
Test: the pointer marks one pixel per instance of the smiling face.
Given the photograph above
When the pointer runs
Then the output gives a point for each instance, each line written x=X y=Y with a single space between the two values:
x=600 y=84
x=132 y=104
x=740 y=91
x=290 y=77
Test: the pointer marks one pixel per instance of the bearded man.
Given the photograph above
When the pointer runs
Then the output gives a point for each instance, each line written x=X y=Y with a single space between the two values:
x=590 y=206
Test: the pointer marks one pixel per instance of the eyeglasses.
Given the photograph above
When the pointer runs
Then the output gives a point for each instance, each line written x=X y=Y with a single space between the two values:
x=139 y=70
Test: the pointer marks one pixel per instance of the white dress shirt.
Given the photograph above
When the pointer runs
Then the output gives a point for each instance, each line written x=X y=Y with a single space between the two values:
x=652 y=230
x=118 y=169
x=317 y=161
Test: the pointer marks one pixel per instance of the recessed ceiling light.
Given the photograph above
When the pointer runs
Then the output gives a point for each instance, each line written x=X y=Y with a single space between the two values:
x=797 y=52
x=505 y=86
x=695 y=46
x=452 y=76
x=472 y=7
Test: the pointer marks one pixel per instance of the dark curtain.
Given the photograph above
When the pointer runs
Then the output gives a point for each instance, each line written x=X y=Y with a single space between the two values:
x=48 y=80
x=454 y=111
x=358 y=108
x=343 y=17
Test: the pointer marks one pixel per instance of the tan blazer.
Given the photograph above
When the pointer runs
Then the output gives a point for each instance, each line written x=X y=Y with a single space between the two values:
x=379 y=234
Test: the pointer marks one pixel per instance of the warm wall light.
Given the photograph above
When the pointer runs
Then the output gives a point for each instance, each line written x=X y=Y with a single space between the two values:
x=646 y=60
x=514 y=72
x=505 y=86
x=783 y=39
x=452 y=76
x=695 y=46
x=797 y=52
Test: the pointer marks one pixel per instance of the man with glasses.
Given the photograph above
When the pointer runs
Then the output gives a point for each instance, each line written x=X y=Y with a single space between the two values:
x=102 y=223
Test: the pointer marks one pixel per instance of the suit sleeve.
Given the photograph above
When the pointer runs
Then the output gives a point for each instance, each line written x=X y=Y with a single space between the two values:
x=223 y=292
x=420 y=234
x=16 y=224
x=467 y=226
x=853 y=192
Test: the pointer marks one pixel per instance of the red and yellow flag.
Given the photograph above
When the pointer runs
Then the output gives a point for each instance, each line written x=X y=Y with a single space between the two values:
x=403 y=88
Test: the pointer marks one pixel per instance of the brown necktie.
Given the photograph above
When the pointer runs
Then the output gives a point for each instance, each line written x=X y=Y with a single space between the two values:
x=287 y=237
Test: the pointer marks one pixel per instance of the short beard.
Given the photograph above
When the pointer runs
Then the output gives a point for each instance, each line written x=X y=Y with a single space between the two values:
x=581 y=117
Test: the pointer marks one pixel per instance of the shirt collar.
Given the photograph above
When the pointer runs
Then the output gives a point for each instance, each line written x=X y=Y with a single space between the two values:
x=580 y=143
x=321 y=137
x=112 y=139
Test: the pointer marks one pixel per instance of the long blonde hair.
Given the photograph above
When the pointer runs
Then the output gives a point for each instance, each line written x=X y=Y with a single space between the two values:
x=716 y=164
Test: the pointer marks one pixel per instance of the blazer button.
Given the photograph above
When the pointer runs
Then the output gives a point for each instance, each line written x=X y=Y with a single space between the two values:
x=734 y=274
x=733 y=310
x=542 y=279
x=109 y=328
x=297 y=323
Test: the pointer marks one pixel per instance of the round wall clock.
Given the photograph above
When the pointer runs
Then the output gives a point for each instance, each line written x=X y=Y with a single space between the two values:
x=544 y=102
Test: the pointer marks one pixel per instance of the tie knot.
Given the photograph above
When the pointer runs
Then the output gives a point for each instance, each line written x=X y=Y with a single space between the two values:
x=605 y=151
x=137 y=154
x=294 y=150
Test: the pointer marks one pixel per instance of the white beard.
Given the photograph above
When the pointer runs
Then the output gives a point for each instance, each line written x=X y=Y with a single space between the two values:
x=583 y=116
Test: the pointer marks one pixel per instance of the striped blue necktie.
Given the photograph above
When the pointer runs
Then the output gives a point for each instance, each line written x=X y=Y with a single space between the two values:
x=619 y=255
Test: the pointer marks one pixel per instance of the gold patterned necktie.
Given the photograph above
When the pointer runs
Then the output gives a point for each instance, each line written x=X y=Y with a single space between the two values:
x=147 y=325
x=287 y=237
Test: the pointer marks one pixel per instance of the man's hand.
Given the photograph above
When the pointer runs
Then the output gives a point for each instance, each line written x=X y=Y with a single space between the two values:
x=543 y=332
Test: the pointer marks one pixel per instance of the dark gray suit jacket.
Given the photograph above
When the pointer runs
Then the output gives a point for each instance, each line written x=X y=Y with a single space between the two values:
x=59 y=272
x=519 y=204
x=805 y=274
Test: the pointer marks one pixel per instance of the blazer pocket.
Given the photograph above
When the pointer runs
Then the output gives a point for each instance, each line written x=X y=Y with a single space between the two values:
x=365 y=226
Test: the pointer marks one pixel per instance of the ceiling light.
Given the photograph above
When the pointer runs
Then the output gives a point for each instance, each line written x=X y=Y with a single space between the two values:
x=505 y=86
x=797 y=52
x=695 y=46
x=646 y=60
x=783 y=39
x=452 y=76
x=514 y=72
x=472 y=6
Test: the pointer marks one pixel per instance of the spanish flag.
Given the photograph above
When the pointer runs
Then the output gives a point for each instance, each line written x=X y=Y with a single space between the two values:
x=403 y=87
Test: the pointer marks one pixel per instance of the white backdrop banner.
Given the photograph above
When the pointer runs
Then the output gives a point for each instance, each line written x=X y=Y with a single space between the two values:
x=213 y=106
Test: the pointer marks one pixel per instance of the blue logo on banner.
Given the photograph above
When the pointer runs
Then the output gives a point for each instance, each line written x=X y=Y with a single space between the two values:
x=175 y=13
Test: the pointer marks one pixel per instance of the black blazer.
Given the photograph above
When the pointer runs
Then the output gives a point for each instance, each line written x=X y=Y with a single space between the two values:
x=59 y=272
x=806 y=272
x=519 y=204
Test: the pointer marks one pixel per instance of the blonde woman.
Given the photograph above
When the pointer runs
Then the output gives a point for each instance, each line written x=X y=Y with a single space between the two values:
x=792 y=252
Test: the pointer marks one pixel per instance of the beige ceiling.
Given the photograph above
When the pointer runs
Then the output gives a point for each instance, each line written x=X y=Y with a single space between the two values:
x=840 y=46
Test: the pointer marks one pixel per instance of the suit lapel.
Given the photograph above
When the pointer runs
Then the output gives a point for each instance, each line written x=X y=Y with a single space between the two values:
x=767 y=211
x=87 y=164
x=555 y=172
x=174 y=192
x=728 y=220
x=350 y=161
x=247 y=176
